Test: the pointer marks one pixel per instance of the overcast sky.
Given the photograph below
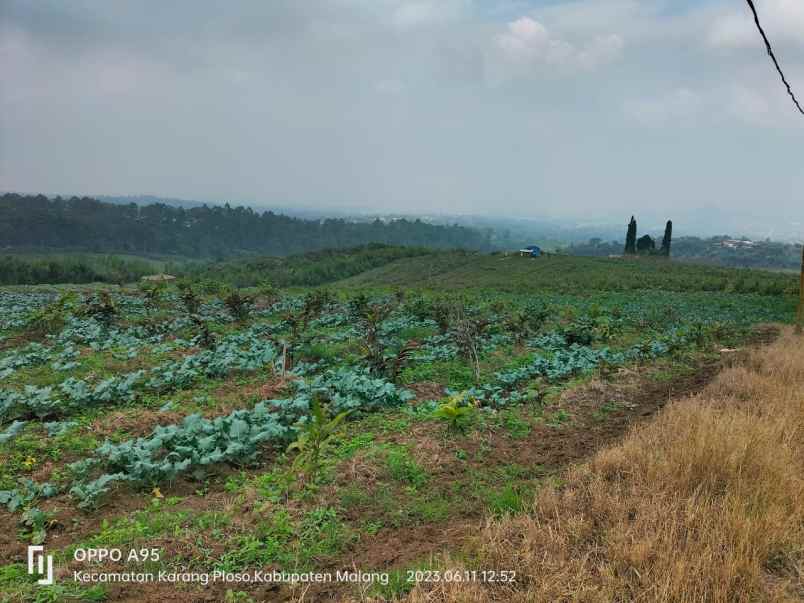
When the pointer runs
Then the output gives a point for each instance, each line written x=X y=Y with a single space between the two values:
x=582 y=108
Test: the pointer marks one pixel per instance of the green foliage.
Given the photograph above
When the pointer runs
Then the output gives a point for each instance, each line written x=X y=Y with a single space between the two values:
x=371 y=317
x=100 y=306
x=349 y=355
x=190 y=300
x=35 y=523
x=440 y=313
x=516 y=426
x=315 y=436
x=27 y=492
x=56 y=267
x=570 y=275
x=404 y=468
x=236 y=596
x=456 y=412
x=714 y=251
x=527 y=322
x=631 y=237
x=508 y=501
x=205 y=337
x=269 y=293
x=171 y=450
x=52 y=317
x=646 y=245
x=292 y=543
x=204 y=232
x=667 y=240
x=579 y=330
x=238 y=304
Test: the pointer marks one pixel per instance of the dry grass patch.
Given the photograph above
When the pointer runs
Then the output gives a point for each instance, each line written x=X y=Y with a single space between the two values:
x=704 y=503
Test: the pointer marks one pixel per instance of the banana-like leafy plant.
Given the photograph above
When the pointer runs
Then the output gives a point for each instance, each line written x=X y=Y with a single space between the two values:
x=239 y=305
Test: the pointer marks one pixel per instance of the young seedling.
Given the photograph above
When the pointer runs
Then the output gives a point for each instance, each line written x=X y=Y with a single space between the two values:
x=456 y=413
x=314 y=438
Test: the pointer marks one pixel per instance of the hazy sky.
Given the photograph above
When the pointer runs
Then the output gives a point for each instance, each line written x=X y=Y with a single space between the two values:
x=565 y=108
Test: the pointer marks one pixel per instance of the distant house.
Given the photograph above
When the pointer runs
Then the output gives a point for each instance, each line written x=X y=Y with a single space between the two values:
x=737 y=243
x=159 y=278
x=533 y=251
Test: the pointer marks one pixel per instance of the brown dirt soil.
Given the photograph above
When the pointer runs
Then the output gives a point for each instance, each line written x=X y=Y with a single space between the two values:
x=16 y=341
x=426 y=390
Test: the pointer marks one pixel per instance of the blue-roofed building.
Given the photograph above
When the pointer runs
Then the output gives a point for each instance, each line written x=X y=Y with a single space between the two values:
x=533 y=251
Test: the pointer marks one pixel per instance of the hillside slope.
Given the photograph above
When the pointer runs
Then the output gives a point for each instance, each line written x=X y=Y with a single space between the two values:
x=510 y=273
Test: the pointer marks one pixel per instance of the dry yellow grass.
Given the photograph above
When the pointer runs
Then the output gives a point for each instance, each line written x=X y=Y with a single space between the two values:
x=704 y=503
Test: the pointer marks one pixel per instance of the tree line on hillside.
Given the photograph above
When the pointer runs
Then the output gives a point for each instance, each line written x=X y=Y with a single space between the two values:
x=74 y=268
x=713 y=250
x=309 y=269
x=86 y=224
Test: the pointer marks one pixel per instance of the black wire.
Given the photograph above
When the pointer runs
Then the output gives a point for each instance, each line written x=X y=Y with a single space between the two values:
x=772 y=56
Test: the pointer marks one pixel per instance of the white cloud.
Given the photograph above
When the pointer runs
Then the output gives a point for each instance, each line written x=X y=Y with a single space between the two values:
x=528 y=44
x=782 y=20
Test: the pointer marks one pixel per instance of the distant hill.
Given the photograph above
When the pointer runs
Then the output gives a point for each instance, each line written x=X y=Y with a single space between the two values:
x=86 y=224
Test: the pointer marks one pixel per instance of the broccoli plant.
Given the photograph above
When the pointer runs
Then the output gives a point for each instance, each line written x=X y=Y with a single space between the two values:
x=35 y=524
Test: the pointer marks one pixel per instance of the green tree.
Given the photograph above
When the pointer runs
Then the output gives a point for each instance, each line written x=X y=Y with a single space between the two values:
x=646 y=245
x=630 y=237
x=668 y=237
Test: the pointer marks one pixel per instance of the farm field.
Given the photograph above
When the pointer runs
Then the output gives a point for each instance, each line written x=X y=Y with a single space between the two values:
x=366 y=424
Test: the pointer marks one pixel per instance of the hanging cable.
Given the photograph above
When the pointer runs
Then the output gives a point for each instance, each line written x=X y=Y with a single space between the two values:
x=773 y=56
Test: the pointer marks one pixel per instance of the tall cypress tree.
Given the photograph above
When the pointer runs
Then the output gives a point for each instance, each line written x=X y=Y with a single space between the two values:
x=668 y=237
x=630 y=237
